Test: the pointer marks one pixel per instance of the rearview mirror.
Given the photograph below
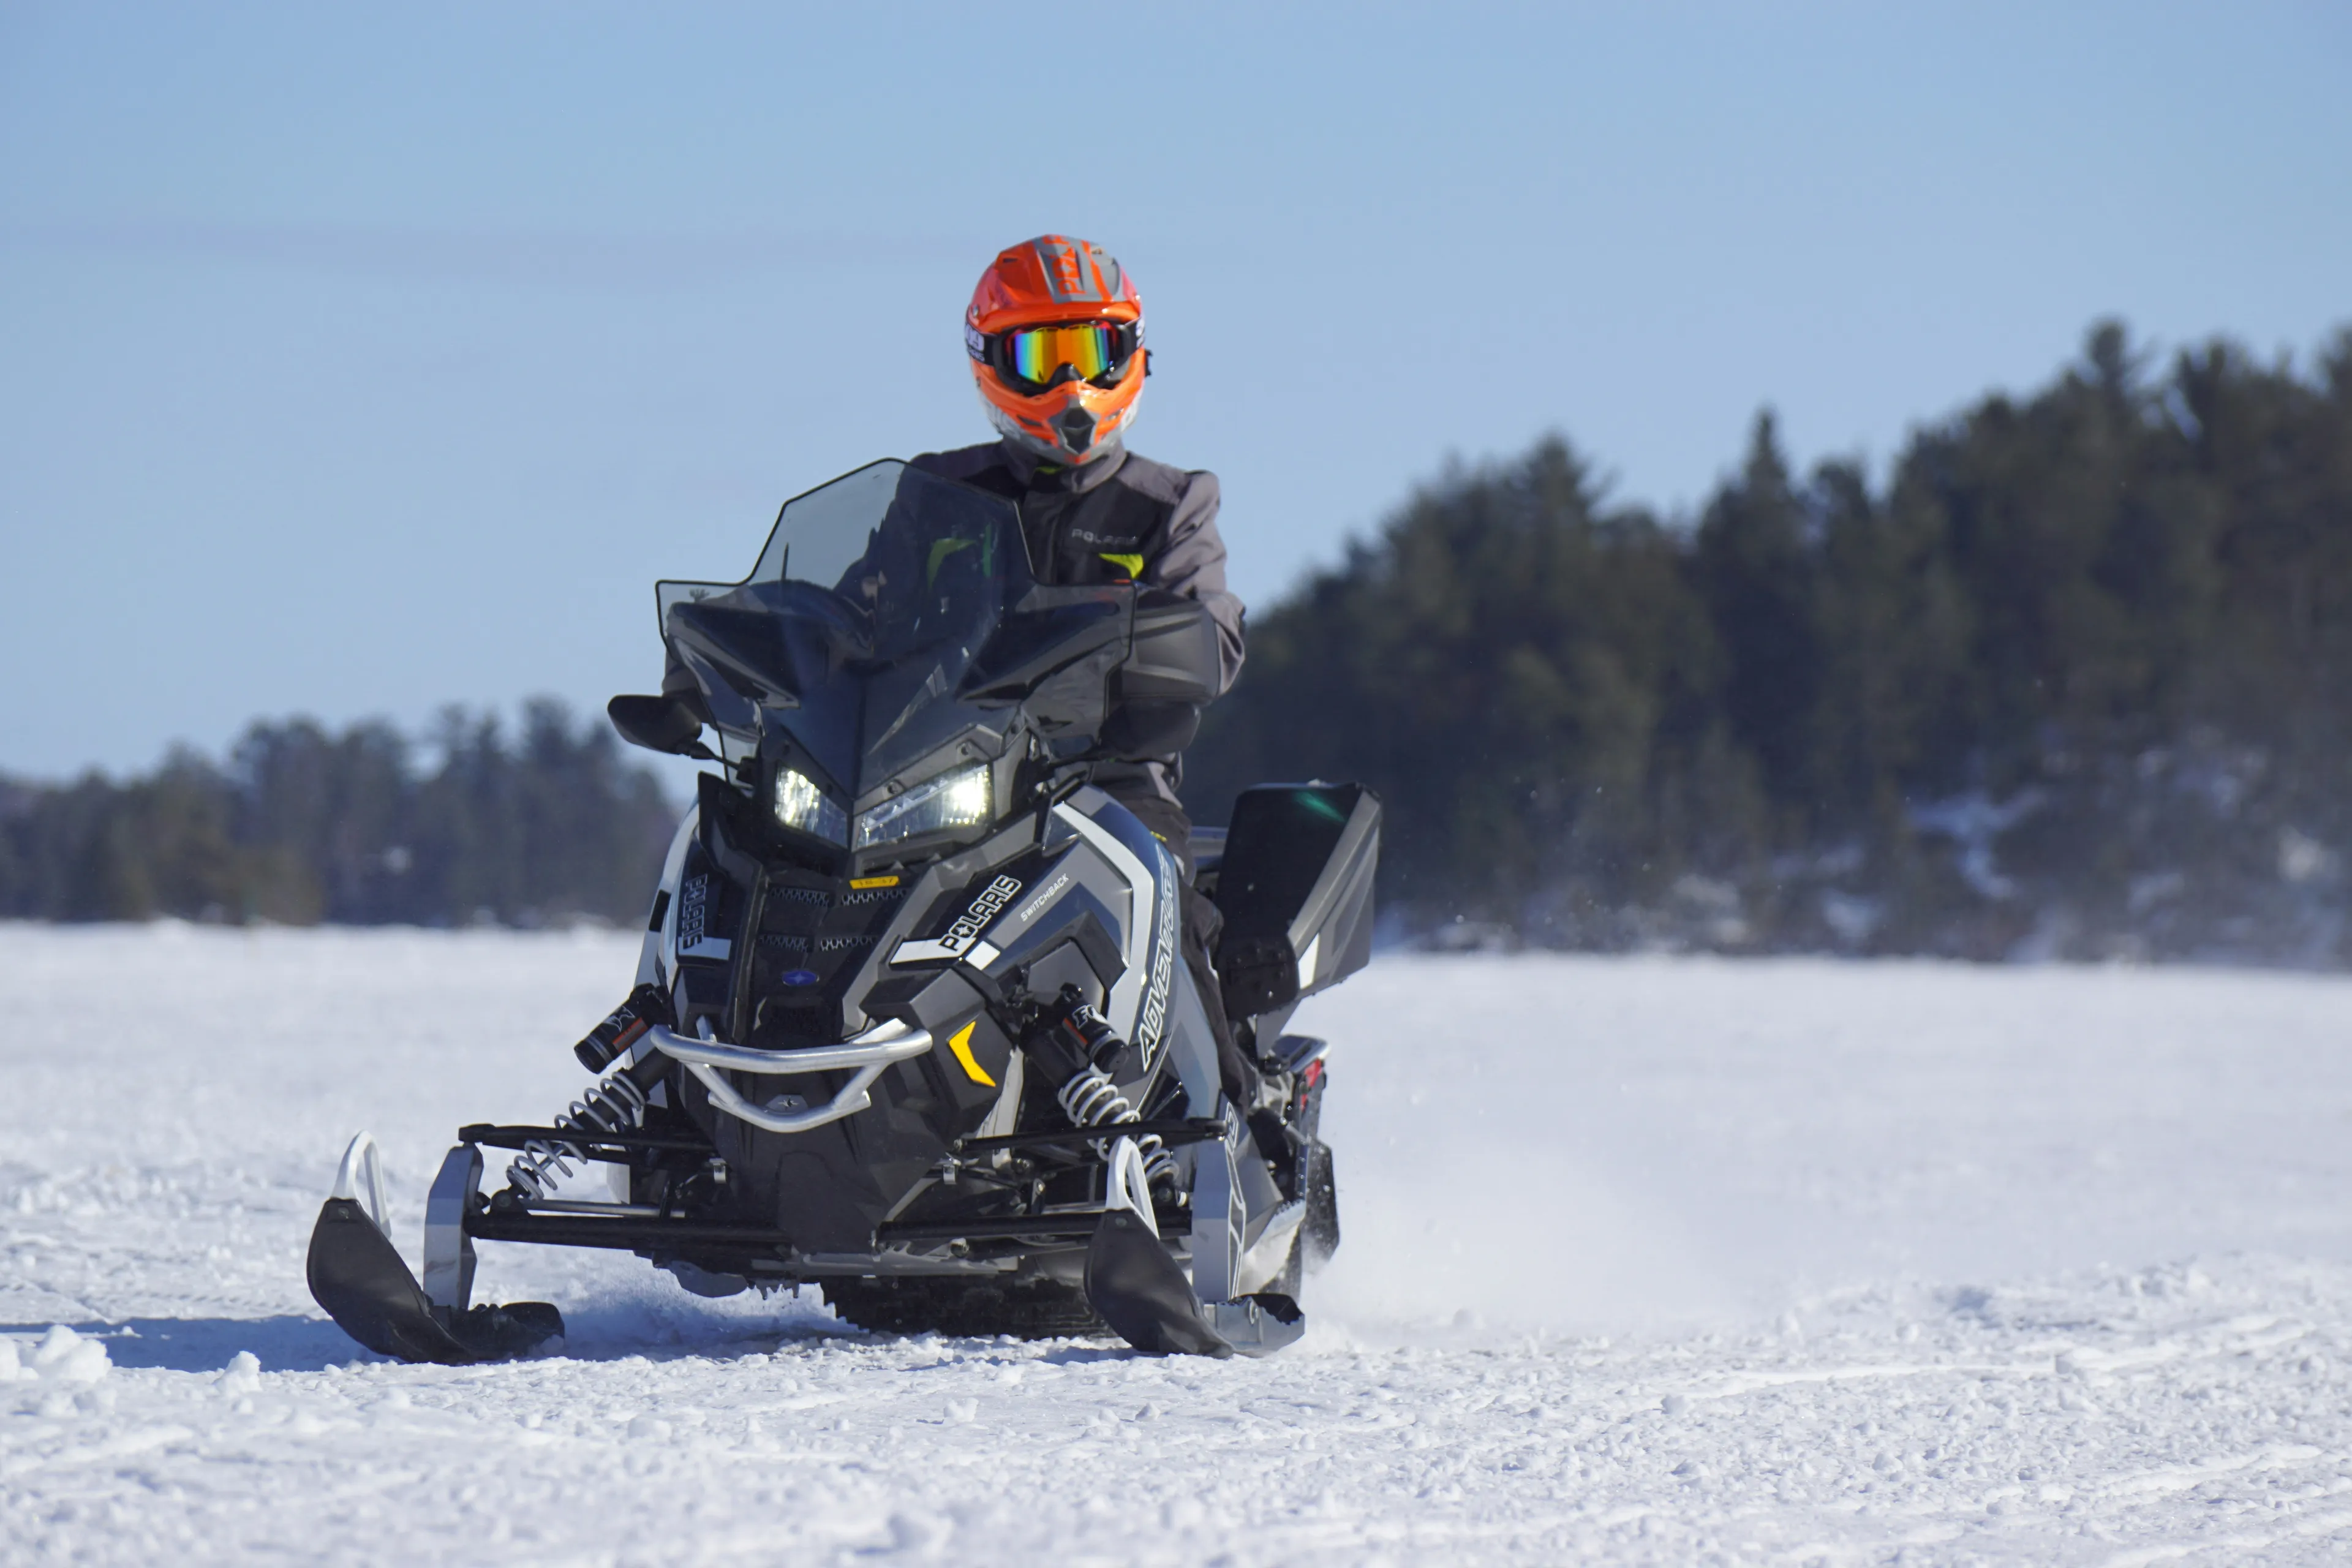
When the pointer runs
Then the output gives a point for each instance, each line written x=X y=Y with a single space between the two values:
x=660 y=724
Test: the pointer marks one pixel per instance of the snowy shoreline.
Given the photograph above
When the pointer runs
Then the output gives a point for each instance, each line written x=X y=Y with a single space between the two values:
x=1646 y=1259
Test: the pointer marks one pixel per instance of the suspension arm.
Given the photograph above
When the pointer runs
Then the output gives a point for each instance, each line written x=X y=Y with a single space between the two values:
x=629 y=1233
x=1078 y=1226
x=503 y=1137
x=1172 y=1130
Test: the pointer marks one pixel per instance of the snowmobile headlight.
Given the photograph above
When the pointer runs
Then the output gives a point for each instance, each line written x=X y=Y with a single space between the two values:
x=960 y=799
x=801 y=805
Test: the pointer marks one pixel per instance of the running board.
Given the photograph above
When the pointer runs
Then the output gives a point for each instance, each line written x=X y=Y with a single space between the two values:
x=1259 y=1325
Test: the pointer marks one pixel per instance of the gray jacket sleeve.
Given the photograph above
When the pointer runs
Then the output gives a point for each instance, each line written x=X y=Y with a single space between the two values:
x=1191 y=566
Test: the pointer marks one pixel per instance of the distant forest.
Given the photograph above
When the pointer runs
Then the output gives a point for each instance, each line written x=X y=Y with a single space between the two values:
x=543 y=825
x=2075 y=680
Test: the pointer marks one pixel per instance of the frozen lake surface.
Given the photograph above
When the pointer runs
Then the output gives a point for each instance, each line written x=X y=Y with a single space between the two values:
x=1646 y=1260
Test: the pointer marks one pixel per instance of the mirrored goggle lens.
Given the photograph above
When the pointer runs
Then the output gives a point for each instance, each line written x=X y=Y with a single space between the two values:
x=1038 y=353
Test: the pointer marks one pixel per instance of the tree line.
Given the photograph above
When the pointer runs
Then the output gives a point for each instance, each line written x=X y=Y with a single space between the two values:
x=541 y=825
x=2074 y=678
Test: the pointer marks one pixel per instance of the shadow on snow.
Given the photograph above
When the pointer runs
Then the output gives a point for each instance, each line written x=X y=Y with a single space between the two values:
x=598 y=1332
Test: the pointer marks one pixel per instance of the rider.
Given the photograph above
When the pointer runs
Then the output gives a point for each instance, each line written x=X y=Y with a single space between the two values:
x=1054 y=332
x=1055 y=335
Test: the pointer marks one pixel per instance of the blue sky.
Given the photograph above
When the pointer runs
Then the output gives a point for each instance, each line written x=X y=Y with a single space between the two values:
x=356 y=359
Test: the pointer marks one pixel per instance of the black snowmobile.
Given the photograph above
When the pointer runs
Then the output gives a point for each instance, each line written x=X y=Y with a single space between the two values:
x=912 y=1020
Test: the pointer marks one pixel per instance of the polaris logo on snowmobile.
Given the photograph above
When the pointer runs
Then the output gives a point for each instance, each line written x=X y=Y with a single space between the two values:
x=960 y=937
x=984 y=909
x=694 y=940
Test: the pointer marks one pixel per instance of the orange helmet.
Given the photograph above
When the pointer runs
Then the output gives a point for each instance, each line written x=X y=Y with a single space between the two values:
x=1055 y=335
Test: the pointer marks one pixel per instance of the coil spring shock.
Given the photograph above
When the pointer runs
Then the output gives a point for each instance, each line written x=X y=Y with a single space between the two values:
x=612 y=1106
x=1091 y=1099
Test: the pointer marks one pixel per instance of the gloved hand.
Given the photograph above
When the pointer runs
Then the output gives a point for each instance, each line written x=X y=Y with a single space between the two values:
x=1139 y=731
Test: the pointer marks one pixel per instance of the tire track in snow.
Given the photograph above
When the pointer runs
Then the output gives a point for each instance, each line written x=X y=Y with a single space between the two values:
x=1756 y=1384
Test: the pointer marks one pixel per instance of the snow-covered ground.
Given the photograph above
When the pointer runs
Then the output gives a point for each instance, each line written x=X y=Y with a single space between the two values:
x=1646 y=1261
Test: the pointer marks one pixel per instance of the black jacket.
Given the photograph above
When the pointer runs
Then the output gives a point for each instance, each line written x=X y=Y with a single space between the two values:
x=1120 y=518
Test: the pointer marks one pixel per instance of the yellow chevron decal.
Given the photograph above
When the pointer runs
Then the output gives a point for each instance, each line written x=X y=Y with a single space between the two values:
x=1130 y=564
x=961 y=1043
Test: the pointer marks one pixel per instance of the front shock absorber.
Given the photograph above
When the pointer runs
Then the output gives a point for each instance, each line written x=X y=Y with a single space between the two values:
x=1081 y=1040
x=612 y=1106
x=615 y=1105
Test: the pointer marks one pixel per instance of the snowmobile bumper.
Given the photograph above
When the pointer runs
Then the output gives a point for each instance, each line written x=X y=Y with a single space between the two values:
x=867 y=1056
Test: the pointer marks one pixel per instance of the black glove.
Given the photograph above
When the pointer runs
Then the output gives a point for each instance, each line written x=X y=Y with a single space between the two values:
x=1137 y=731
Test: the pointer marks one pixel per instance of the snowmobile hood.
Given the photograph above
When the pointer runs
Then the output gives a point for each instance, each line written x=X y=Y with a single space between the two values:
x=887 y=634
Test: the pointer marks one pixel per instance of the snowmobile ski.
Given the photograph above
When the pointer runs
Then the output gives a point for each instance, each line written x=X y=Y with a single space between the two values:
x=1132 y=1281
x=357 y=1275
x=1137 y=1287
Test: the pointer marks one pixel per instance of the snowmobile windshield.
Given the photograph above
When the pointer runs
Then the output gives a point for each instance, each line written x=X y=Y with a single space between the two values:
x=851 y=641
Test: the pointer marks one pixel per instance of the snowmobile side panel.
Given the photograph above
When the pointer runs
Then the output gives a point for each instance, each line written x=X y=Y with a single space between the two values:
x=1193 y=1052
x=654 y=956
x=1262 y=1263
x=959 y=875
x=1137 y=1005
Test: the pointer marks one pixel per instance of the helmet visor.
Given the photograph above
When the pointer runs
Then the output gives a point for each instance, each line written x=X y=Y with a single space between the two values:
x=1090 y=351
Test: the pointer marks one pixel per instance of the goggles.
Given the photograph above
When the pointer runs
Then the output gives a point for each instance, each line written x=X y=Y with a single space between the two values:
x=1035 y=358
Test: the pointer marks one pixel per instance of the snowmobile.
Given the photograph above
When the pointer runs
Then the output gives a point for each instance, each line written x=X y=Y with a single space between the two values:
x=912 y=1022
